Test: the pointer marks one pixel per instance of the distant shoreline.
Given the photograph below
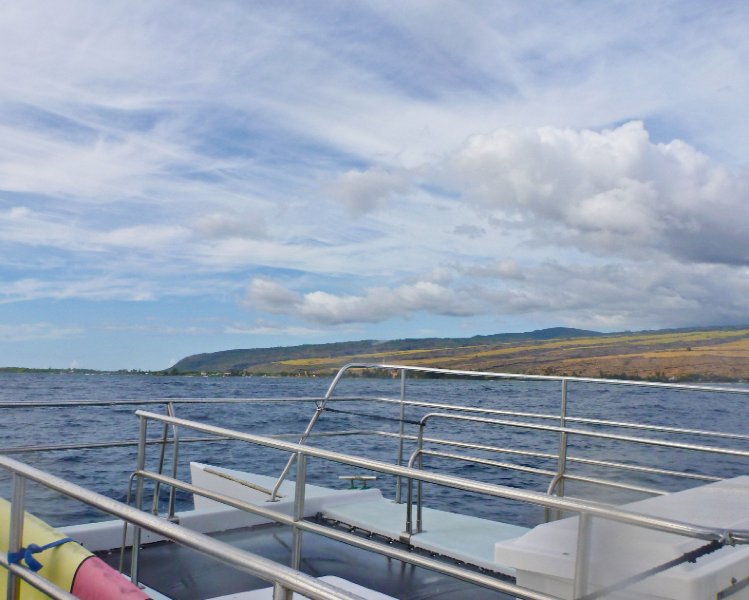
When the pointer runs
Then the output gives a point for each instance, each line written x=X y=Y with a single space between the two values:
x=715 y=354
x=92 y=372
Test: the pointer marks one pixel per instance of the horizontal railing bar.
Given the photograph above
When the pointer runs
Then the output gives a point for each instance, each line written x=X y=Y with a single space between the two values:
x=483 y=461
x=641 y=469
x=150 y=401
x=349 y=538
x=560 y=378
x=125 y=443
x=616 y=484
x=471 y=446
x=424 y=404
x=94 y=445
x=438 y=405
x=256 y=565
x=550 y=417
x=37 y=581
x=594 y=434
x=549 y=456
x=544 y=472
x=658 y=428
x=592 y=508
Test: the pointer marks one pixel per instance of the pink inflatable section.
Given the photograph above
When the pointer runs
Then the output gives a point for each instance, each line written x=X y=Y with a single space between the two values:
x=96 y=580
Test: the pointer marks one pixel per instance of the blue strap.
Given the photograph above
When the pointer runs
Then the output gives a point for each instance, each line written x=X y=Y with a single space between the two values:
x=27 y=554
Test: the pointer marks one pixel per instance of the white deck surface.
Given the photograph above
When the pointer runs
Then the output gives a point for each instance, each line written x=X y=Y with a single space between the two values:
x=463 y=537
x=545 y=557
x=267 y=593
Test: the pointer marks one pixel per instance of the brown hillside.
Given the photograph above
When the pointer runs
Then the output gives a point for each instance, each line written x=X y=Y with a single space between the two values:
x=707 y=354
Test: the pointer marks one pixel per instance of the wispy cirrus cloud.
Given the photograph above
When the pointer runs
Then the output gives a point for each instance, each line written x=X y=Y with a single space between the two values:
x=265 y=327
x=102 y=288
x=442 y=163
x=25 y=332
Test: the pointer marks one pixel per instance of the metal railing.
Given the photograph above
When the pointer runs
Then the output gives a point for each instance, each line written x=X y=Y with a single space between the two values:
x=164 y=439
x=553 y=500
x=301 y=453
x=585 y=509
x=562 y=457
x=560 y=475
x=284 y=579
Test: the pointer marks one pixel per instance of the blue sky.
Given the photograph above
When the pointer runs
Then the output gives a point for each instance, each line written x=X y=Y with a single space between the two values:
x=184 y=177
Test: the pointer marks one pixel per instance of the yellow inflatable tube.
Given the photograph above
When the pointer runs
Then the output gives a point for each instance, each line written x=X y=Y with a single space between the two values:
x=59 y=564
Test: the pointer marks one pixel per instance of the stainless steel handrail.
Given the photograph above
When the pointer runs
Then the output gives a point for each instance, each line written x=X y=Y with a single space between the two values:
x=560 y=474
x=300 y=451
x=284 y=578
x=149 y=401
x=554 y=457
x=587 y=510
x=318 y=412
x=159 y=441
x=594 y=434
x=37 y=581
x=561 y=456
x=415 y=403
x=552 y=417
x=563 y=418
x=556 y=480
x=534 y=471
x=596 y=509
x=351 y=539
x=521 y=376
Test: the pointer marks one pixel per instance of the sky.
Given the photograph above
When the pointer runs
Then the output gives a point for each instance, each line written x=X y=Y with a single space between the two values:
x=186 y=177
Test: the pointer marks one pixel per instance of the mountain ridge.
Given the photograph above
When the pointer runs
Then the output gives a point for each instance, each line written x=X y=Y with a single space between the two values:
x=710 y=353
x=239 y=359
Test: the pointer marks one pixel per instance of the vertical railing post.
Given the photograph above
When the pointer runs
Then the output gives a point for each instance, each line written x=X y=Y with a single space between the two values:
x=318 y=413
x=162 y=454
x=420 y=483
x=582 y=557
x=409 y=530
x=280 y=592
x=562 y=457
x=400 y=436
x=175 y=462
x=301 y=481
x=292 y=458
x=135 y=549
x=15 y=534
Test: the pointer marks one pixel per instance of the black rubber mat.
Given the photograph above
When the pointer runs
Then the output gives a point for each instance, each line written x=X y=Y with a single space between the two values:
x=183 y=574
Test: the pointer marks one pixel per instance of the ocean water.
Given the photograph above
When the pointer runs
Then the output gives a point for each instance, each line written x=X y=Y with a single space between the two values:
x=107 y=470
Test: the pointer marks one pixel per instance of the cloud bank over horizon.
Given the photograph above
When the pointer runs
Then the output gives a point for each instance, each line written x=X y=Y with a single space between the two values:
x=176 y=178
x=654 y=226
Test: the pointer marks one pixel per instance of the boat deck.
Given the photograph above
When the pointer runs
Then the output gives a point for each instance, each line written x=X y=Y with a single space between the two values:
x=292 y=534
x=183 y=574
x=461 y=537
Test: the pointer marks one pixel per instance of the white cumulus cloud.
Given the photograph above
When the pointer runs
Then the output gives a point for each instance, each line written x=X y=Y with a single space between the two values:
x=362 y=192
x=375 y=305
x=612 y=192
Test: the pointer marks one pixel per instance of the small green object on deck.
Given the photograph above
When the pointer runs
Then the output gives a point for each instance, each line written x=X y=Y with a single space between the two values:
x=353 y=478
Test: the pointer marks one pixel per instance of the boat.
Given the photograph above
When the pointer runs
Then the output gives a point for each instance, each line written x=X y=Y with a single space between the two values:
x=382 y=533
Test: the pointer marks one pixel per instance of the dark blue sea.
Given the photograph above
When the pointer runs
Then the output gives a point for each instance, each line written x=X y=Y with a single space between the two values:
x=107 y=470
